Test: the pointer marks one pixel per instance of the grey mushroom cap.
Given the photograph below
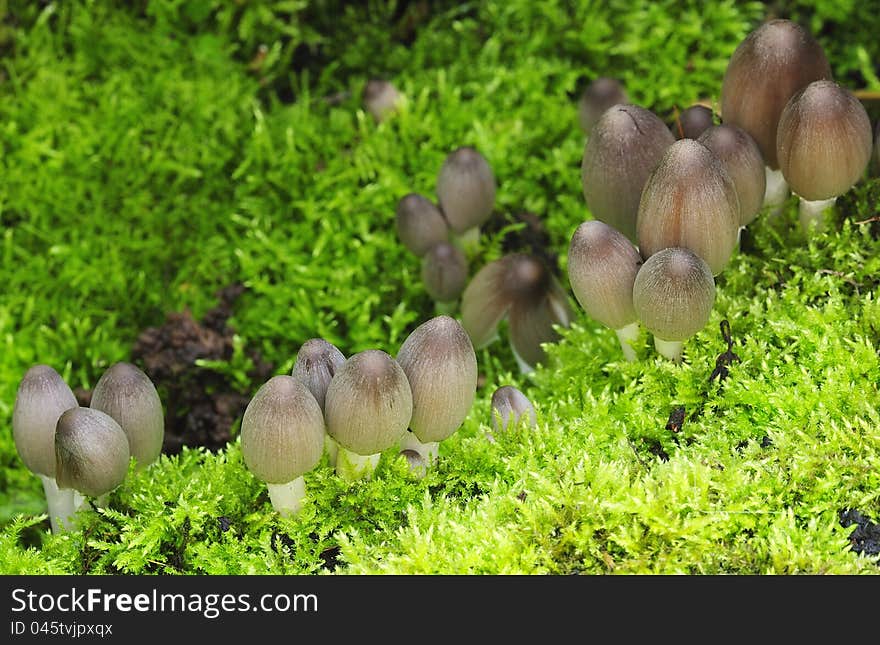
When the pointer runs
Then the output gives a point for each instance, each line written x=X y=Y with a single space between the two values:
x=316 y=362
x=598 y=96
x=369 y=403
x=466 y=189
x=381 y=98
x=419 y=223
x=128 y=395
x=41 y=398
x=674 y=293
x=772 y=63
x=282 y=431
x=623 y=148
x=439 y=361
x=444 y=272
x=509 y=405
x=91 y=451
x=824 y=141
x=690 y=201
x=693 y=121
x=602 y=266
x=742 y=159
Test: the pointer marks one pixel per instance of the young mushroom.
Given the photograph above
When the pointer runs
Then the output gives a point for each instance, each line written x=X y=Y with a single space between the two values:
x=368 y=407
x=673 y=294
x=441 y=366
x=466 y=193
x=824 y=146
x=602 y=266
x=419 y=223
x=444 y=275
x=689 y=201
x=41 y=399
x=509 y=406
x=772 y=63
x=282 y=438
x=381 y=99
x=693 y=121
x=623 y=148
x=597 y=97
x=128 y=395
x=316 y=362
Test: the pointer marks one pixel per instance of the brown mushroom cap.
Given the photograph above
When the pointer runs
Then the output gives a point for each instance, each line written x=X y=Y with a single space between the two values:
x=602 y=266
x=41 y=398
x=509 y=404
x=282 y=431
x=419 y=223
x=439 y=361
x=689 y=201
x=742 y=159
x=772 y=63
x=381 y=98
x=823 y=141
x=693 y=121
x=316 y=362
x=674 y=293
x=597 y=97
x=444 y=272
x=128 y=395
x=466 y=189
x=623 y=148
x=91 y=451
x=369 y=403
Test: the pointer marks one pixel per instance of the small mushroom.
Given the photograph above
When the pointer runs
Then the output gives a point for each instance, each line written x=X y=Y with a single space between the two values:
x=418 y=467
x=381 y=99
x=282 y=438
x=466 y=193
x=445 y=274
x=368 y=407
x=316 y=362
x=742 y=159
x=623 y=148
x=41 y=398
x=673 y=294
x=441 y=366
x=597 y=97
x=509 y=406
x=693 y=121
x=690 y=201
x=824 y=146
x=128 y=395
x=420 y=224
x=602 y=266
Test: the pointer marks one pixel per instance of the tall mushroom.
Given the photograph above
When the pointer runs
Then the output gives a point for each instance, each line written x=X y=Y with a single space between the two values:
x=316 y=362
x=466 y=193
x=598 y=96
x=623 y=148
x=282 y=438
x=41 y=398
x=602 y=266
x=824 y=146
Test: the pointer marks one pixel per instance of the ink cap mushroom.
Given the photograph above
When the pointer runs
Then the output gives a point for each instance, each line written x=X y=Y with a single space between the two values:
x=599 y=95
x=381 y=98
x=282 y=439
x=693 y=121
x=419 y=223
x=466 y=189
x=509 y=406
x=444 y=275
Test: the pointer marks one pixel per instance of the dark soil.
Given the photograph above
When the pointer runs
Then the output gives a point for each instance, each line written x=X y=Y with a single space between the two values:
x=865 y=538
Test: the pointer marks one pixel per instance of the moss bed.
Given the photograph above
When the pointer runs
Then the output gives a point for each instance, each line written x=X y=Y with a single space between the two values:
x=195 y=186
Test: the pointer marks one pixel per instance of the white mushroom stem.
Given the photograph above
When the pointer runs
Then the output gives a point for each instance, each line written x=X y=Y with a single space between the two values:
x=352 y=466
x=428 y=450
x=812 y=213
x=331 y=448
x=627 y=335
x=288 y=498
x=776 y=191
x=469 y=240
x=63 y=504
x=671 y=349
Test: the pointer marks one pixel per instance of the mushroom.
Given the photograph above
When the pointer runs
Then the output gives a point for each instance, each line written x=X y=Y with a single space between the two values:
x=416 y=463
x=624 y=146
x=368 y=407
x=824 y=146
x=597 y=97
x=509 y=406
x=693 y=121
x=282 y=438
x=673 y=294
x=444 y=274
x=521 y=288
x=420 y=224
x=381 y=99
x=466 y=193
x=441 y=367
x=128 y=395
x=316 y=362
x=92 y=452
x=772 y=63
x=602 y=266
x=742 y=159
x=41 y=398
x=877 y=148
x=690 y=201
